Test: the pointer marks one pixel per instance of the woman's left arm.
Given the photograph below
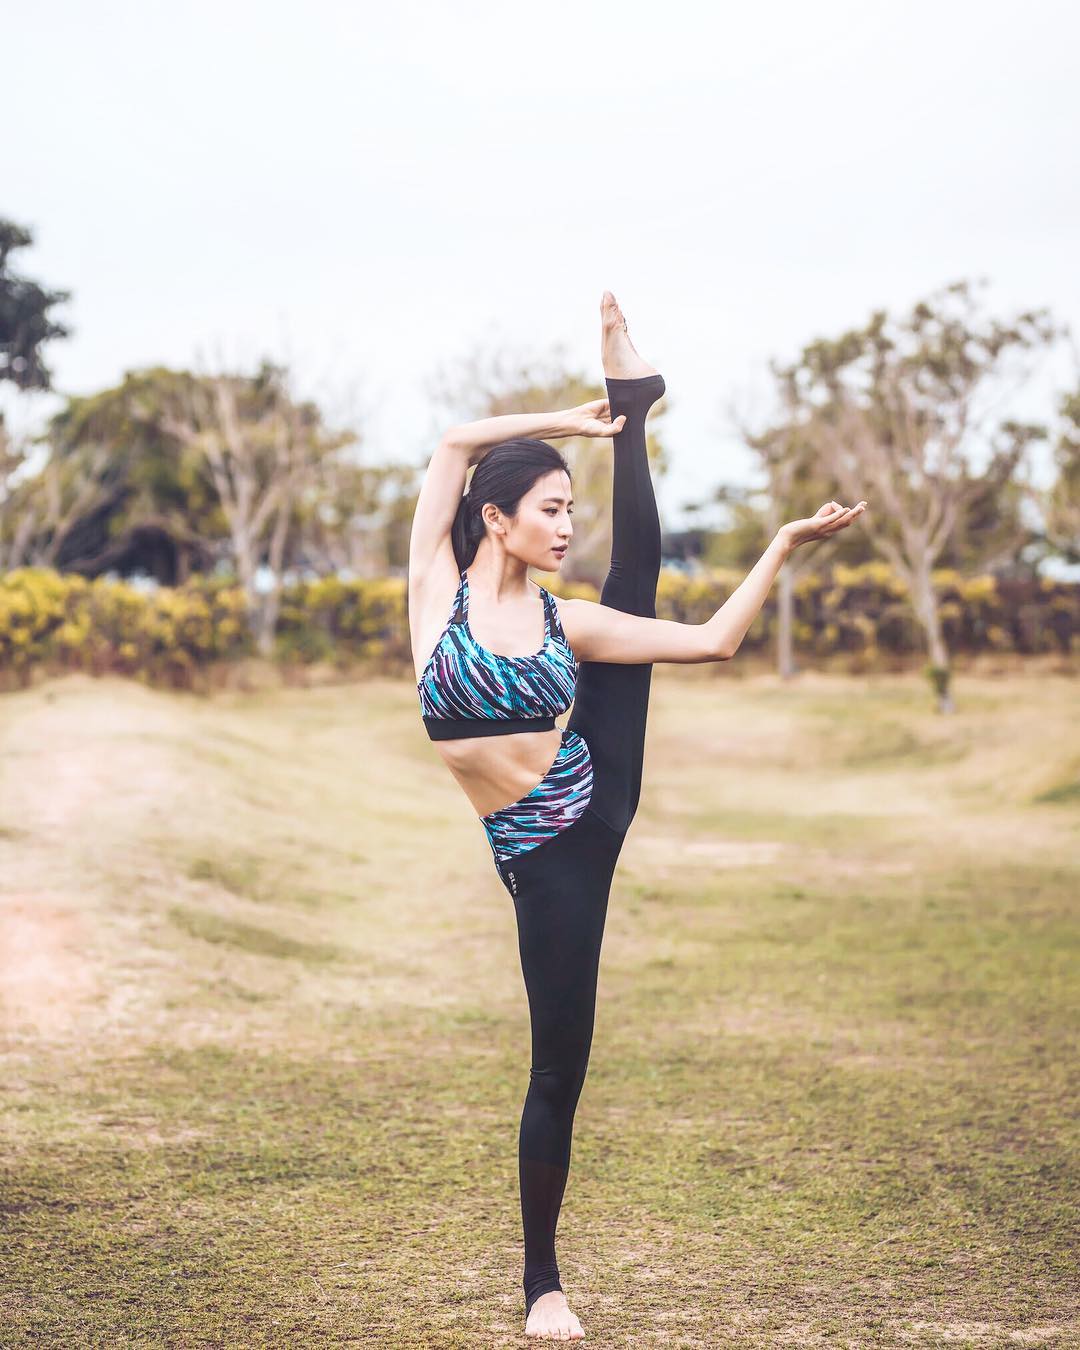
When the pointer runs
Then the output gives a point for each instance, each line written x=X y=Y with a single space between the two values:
x=600 y=633
x=737 y=613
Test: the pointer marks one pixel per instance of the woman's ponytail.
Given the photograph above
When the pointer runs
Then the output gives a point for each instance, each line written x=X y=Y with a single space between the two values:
x=466 y=531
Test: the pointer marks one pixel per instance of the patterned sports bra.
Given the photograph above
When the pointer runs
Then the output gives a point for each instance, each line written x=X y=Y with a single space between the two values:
x=466 y=690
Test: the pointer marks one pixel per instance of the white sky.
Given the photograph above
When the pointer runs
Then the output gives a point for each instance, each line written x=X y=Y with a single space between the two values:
x=371 y=191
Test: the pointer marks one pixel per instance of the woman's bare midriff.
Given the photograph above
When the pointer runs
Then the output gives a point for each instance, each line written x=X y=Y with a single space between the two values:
x=495 y=771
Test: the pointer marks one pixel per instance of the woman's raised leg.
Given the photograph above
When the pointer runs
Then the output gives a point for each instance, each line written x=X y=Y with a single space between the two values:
x=612 y=700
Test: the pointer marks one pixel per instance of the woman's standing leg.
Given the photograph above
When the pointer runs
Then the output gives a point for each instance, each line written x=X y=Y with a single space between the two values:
x=560 y=892
x=561 y=888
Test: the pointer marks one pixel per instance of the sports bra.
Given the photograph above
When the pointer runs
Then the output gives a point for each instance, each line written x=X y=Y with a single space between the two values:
x=466 y=690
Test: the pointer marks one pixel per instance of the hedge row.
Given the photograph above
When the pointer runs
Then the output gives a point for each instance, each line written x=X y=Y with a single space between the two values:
x=866 y=610
x=64 y=622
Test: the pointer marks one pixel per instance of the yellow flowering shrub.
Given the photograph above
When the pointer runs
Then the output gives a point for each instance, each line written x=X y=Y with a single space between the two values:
x=169 y=635
x=65 y=622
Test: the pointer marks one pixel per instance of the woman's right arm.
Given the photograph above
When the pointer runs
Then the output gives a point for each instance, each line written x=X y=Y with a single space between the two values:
x=432 y=567
x=477 y=438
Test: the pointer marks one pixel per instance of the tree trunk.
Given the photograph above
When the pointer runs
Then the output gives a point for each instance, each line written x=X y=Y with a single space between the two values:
x=271 y=601
x=246 y=566
x=266 y=623
x=785 y=624
x=926 y=609
x=269 y=612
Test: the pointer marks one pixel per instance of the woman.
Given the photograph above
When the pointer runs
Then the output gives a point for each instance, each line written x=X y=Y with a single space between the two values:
x=556 y=804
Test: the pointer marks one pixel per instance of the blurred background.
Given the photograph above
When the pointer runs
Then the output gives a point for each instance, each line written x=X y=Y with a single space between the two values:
x=263 y=1021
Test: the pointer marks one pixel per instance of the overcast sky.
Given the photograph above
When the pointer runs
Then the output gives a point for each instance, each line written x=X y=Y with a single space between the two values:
x=372 y=192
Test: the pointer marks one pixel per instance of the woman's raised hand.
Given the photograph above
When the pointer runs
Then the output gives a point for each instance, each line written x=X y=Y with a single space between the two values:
x=824 y=522
x=594 y=419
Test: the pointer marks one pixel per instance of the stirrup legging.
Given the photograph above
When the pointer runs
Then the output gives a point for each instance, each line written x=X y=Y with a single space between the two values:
x=560 y=888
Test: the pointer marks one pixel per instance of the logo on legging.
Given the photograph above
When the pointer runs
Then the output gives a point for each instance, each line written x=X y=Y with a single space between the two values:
x=513 y=883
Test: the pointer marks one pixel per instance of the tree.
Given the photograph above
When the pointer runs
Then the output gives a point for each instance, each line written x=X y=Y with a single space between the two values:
x=735 y=536
x=49 y=508
x=359 y=517
x=25 y=326
x=897 y=409
x=115 y=492
x=494 y=385
x=262 y=450
x=1062 y=503
x=166 y=520
x=794 y=488
x=25 y=322
x=169 y=473
x=15 y=527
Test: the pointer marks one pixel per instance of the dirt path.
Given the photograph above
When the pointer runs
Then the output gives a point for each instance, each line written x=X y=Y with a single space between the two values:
x=82 y=772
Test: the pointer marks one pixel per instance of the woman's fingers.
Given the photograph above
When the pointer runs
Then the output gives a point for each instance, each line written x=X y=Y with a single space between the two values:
x=843 y=521
x=825 y=522
x=597 y=419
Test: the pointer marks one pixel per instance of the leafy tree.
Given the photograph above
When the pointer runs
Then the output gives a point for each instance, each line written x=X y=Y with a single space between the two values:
x=359 y=516
x=25 y=321
x=795 y=485
x=738 y=539
x=14 y=527
x=261 y=450
x=1062 y=505
x=170 y=473
x=115 y=492
x=896 y=410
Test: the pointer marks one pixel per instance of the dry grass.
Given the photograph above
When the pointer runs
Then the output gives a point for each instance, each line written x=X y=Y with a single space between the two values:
x=266 y=1039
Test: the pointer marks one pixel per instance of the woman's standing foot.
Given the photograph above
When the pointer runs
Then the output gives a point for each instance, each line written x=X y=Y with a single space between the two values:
x=549 y=1317
x=621 y=361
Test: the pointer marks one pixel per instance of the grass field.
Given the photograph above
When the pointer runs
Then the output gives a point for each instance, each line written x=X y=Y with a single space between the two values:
x=266 y=1040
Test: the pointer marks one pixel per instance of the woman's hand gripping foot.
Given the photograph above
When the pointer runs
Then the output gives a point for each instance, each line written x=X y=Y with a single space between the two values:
x=550 y=1318
x=621 y=361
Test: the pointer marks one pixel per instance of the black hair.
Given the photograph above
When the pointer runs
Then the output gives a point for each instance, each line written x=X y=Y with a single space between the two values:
x=503 y=477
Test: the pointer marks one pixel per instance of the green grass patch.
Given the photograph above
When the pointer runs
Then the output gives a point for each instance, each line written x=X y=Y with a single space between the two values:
x=246 y=937
x=1068 y=791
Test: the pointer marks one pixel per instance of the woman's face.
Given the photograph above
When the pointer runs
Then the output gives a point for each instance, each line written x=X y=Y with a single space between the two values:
x=541 y=531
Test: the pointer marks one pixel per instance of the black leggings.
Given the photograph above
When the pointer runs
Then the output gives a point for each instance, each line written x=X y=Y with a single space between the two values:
x=560 y=887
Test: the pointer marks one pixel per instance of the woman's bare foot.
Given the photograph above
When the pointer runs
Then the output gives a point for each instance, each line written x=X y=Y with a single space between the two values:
x=550 y=1317
x=621 y=361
